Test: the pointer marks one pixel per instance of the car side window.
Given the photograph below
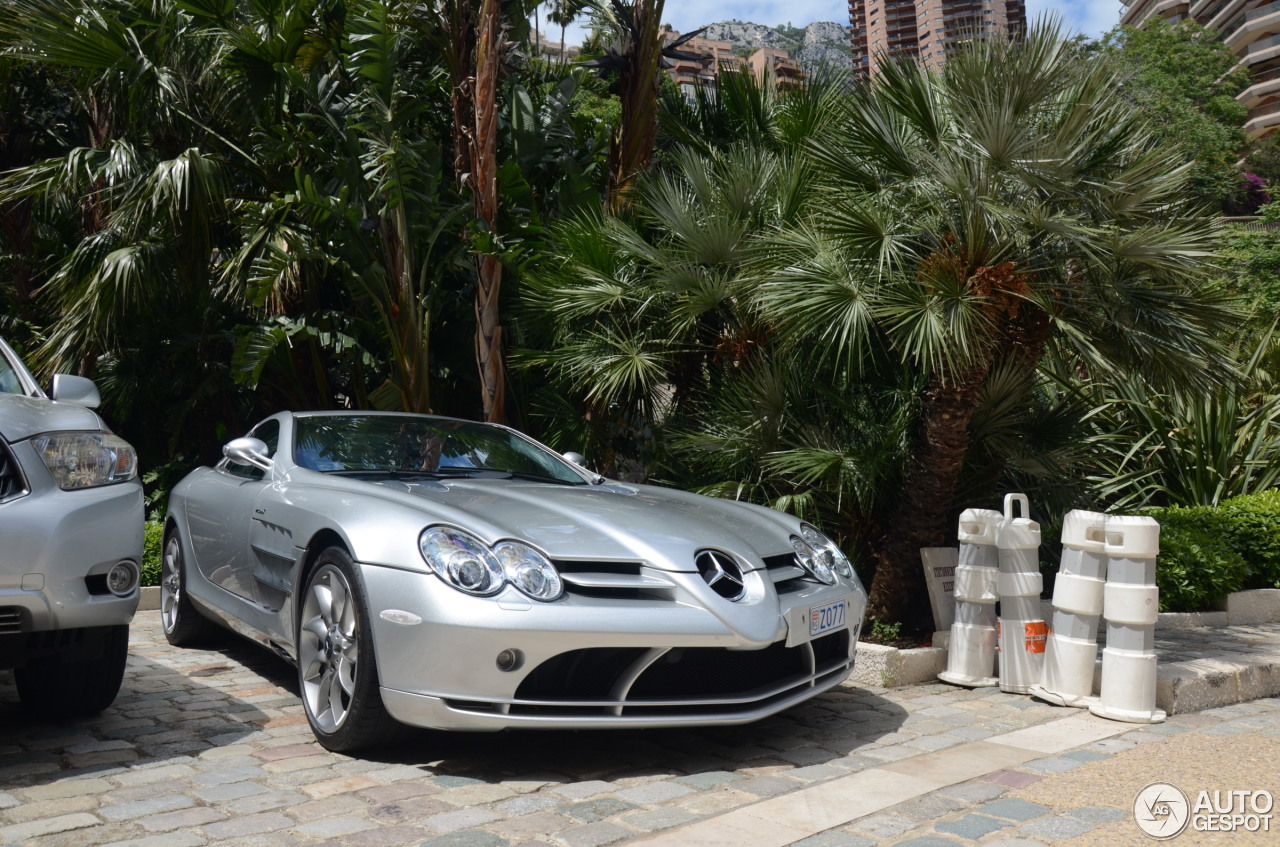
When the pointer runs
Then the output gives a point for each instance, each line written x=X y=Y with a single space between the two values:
x=269 y=433
x=9 y=382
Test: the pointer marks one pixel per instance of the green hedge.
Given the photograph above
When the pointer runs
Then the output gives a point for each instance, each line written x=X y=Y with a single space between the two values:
x=152 y=542
x=1208 y=552
x=1198 y=565
x=1253 y=529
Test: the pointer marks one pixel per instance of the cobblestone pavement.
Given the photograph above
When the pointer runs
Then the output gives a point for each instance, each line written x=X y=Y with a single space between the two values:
x=211 y=747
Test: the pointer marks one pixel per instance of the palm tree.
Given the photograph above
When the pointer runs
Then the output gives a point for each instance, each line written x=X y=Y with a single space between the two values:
x=640 y=312
x=636 y=50
x=565 y=12
x=977 y=219
x=252 y=164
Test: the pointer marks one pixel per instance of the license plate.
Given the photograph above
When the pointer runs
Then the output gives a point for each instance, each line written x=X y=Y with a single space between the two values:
x=826 y=618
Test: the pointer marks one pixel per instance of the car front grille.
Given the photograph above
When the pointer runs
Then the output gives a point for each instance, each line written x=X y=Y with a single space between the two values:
x=786 y=573
x=615 y=580
x=680 y=682
x=12 y=483
x=10 y=620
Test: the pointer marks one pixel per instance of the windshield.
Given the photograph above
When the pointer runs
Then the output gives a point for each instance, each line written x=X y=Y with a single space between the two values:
x=406 y=446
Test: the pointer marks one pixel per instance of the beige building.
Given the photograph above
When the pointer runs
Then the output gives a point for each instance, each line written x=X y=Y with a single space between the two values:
x=1251 y=28
x=714 y=57
x=926 y=29
x=717 y=57
x=776 y=65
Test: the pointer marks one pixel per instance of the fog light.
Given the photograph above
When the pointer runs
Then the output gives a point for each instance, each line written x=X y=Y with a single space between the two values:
x=122 y=579
x=509 y=660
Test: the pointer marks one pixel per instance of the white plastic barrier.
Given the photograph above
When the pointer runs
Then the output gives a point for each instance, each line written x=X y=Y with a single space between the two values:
x=1131 y=603
x=1021 y=630
x=971 y=651
x=1072 y=648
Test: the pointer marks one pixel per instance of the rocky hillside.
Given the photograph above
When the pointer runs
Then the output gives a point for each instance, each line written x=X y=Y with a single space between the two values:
x=816 y=44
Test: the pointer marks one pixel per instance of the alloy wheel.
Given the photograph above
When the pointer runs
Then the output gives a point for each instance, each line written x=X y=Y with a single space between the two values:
x=328 y=648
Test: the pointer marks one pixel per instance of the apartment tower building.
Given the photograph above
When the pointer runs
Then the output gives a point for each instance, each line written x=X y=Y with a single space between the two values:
x=1250 y=28
x=926 y=29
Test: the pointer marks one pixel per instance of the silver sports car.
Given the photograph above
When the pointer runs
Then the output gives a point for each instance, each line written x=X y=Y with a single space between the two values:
x=442 y=573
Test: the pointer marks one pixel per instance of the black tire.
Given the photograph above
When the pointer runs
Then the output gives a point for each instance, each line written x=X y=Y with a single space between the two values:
x=182 y=623
x=56 y=688
x=337 y=674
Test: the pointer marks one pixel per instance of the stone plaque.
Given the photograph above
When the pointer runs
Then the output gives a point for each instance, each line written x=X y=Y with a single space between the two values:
x=940 y=577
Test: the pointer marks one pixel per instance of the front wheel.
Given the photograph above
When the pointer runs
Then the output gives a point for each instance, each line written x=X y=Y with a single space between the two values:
x=336 y=669
x=57 y=688
x=183 y=624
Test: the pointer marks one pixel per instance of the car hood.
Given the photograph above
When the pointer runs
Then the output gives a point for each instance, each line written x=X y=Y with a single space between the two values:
x=661 y=526
x=22 y=417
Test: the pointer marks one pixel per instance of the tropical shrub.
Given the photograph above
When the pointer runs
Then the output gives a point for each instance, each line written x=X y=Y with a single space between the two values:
x=1187 y=447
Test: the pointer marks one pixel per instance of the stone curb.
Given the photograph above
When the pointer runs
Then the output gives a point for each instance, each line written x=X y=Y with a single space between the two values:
x=150 y=599
x=1231 y=676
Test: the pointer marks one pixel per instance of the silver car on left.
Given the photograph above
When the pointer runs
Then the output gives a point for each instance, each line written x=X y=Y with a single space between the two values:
x=70 y=543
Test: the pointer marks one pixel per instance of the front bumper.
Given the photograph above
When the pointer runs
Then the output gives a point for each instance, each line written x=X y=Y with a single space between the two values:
x=57 y=548
x=677 y=658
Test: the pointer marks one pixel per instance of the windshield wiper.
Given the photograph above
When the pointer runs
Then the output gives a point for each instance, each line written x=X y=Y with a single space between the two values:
x=391 y=473
x=533 y=477
x=450 y=472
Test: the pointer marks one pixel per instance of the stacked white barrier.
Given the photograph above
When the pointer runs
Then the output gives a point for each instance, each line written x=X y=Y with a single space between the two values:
x=971 y=651
x=1130 y=605
x=1072 y=649
x=1021 y=630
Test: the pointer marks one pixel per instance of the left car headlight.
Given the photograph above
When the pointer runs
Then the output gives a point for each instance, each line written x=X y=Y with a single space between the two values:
x=86 y=459
x=467 y=564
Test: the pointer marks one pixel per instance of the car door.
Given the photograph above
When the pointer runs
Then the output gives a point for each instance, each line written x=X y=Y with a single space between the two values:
x=220 y=511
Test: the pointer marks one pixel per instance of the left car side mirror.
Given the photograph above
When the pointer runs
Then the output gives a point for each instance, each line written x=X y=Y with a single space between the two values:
x=248 y=451
x=75 y=389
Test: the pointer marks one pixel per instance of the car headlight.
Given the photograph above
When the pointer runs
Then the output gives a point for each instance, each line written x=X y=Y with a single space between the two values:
x=813 y=561
x=86 y=459
x=832 y=556
x=461 y=560
x=467 y=564
x=528 y=570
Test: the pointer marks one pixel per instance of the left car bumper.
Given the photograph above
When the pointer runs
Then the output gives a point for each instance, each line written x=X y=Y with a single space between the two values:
x=58 y=547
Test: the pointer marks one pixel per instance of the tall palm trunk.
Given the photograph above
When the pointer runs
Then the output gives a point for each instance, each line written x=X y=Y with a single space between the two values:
x=461 y=28
x=922 y=514
x=631 y=148
x=484 y=160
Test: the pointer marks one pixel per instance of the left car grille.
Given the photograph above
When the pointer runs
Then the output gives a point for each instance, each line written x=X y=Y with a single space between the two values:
x=615 y=580
x=627 y=682
x=10 y=620
x=12 y=483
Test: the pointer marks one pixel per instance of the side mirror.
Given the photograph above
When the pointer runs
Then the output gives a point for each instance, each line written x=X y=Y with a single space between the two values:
x=577 y=458
x=248 y=451
x=75 y=389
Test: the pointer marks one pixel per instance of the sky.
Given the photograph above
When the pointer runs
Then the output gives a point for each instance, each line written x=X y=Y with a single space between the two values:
x=1090 y=17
